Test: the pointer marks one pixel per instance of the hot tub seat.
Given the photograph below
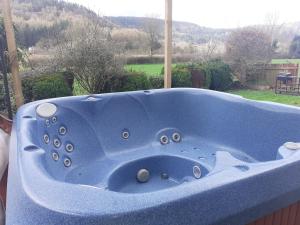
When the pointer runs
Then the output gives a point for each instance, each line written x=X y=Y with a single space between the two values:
x=165 y=172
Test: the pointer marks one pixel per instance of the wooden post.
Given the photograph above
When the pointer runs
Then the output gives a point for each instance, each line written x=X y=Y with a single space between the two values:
x=298 y=71
x=168 y=45
x=12 y=51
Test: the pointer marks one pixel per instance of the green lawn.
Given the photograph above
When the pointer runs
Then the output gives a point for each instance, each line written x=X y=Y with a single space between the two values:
x=285 y=61
x=268 y=96
x=149 y=69
x=155 y=69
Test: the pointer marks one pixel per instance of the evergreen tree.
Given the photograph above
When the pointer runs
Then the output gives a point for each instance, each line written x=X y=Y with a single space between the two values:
x=295 y=47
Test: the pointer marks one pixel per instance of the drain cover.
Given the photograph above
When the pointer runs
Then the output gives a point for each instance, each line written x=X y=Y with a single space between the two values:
x=143 y=176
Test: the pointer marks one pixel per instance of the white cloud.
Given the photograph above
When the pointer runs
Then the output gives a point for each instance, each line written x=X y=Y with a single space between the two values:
x=211 y=13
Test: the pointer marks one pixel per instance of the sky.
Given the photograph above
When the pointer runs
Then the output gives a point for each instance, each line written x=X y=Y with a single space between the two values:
x=209 y=13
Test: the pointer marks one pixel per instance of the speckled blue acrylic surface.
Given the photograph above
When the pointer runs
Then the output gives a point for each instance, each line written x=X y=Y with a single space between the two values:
x=235 y=144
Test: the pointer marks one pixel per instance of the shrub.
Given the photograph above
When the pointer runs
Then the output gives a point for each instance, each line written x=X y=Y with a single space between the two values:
x=190 y=75
x=115 y=84
x=214 y=74
x=27 y=85
x=2 y=97
x=156 y=82
x=200 y=76
x=181 y=76
x=88 y=51
x=133 y=81
x=221 y=75
x=69 y=79
x=45 y=86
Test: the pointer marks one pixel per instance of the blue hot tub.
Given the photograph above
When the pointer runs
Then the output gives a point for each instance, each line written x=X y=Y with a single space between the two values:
x=165 y=157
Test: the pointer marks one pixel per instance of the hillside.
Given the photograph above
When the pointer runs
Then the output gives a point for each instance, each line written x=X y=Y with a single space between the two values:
x=36 y=20
x=183 y=31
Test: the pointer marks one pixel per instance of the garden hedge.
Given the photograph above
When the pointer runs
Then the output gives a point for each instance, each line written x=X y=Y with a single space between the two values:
x=181 y=76
x=156 y=82
x=134 y=81
x=46 y=86
x=220 y=74
x=215 y=75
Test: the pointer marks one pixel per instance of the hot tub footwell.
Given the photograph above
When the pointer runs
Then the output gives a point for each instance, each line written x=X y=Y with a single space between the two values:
x=286 y=216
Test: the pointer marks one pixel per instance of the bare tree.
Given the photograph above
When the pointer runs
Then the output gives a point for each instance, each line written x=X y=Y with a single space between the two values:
x=248 y=46
x=153 y=29
x=272 y=26
x=133 y=40
x=208 y=51
x=88 y=51
x=211 y=47
x=273 y=29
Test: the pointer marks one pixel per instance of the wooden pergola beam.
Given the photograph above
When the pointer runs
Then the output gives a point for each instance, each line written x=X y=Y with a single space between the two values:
x=12 y=51
x=168 y=44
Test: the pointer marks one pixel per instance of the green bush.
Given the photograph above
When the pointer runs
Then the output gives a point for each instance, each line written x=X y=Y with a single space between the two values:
x=115 y=84
x=201 y=78
x=214 y=74
x=133 y=81
x=181 y=76
x=45 y=86
x=156 y=82
x=69 y=79
x=130 y=81
x=221 y=75
x=2 y=97
x=27 y=85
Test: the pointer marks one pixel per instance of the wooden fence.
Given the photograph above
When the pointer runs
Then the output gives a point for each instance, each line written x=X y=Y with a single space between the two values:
x=265 y=75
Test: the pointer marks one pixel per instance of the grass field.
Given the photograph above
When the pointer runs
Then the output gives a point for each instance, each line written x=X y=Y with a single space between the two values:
x=149 y=69
x=268 y=96
x=155 y=69
x=285 y=61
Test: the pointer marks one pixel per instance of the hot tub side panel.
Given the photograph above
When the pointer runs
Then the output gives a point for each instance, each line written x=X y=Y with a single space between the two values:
x=286 y=216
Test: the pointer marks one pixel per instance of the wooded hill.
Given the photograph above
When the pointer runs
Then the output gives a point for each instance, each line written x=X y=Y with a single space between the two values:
x=39 y=19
